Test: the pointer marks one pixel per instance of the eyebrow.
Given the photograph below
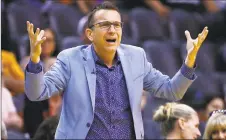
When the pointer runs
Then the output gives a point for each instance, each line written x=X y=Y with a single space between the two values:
x=108 y=21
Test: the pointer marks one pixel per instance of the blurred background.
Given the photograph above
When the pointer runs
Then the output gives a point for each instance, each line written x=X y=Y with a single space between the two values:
x=156 y=26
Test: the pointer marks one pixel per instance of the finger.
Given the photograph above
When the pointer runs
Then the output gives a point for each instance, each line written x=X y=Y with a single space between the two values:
x=187 y=34
x=205 y=34
x=29 y=29
x=41 y=41
x=202 y=36
x=41 y=34
x=204 y=30
x=37 y=32
x=28 y=26
x=32 y=29
x=199 y=39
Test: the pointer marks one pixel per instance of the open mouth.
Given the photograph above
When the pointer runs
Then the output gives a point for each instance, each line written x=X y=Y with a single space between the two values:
x=111 y=40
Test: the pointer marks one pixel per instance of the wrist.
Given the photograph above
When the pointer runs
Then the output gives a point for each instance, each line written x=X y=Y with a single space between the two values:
x=35 y=58
x=190 y=61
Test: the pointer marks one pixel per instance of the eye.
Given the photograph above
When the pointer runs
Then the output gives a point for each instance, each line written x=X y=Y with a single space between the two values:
x=104 y=24
x=214 y=132
x=117 y=24
x=224 y=130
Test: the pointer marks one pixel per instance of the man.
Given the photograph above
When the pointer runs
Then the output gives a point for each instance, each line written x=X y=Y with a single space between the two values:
x=103 y=82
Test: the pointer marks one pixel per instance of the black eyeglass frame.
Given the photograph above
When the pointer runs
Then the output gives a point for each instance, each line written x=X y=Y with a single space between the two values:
x=112 y=23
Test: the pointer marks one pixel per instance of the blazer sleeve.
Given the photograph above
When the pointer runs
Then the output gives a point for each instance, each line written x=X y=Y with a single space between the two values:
x=42 y=86
x=161 y=85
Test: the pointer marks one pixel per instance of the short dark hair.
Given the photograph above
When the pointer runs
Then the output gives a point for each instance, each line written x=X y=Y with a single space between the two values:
x=47 y=129
x=106 y=5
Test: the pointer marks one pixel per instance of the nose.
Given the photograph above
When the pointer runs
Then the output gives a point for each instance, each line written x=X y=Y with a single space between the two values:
x=111 y=29
x=198 y=133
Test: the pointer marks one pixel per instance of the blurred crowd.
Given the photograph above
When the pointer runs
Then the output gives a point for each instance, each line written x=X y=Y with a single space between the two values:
x=156 y=26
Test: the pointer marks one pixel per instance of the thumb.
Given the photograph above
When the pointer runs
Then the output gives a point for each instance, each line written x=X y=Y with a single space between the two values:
x=187 y=34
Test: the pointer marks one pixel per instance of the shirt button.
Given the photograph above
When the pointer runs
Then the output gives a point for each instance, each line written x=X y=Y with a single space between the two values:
x=88 y=124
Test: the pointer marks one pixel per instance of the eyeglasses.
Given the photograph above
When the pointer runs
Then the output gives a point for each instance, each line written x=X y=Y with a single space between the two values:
x=105 y=25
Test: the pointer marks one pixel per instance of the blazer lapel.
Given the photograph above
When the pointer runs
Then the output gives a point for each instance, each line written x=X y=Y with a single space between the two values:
x=127 y=70
x=90 y=71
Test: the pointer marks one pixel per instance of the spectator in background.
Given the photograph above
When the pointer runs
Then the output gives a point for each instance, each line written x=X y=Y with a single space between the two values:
x=216 y=127
x=12 y=88
x=47 y=129
x=85 y=6
x=36 y=112
x=13 y=122
x=178 y=121
x=214 y=102
x=12 y=73
x=164 y=7
x=11 y=68
x=204 y=104
x=48 y=49
x=206 y=12
x=9 y=114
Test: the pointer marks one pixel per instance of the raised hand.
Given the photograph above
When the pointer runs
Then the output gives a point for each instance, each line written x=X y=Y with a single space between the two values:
x=36 y=39
x=193 y=46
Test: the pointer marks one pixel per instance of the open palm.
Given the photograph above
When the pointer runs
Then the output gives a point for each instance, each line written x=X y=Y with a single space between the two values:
x=193 y=45
x=36 y=39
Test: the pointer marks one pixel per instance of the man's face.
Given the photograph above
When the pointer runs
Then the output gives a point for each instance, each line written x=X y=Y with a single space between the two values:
x=215 y=104
x=106 y=31
x=191 y=130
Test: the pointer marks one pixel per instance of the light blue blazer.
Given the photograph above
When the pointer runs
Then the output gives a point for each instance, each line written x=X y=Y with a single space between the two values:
x=73 y=75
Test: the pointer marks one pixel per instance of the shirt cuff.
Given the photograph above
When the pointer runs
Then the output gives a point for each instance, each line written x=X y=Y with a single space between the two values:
x=188 y=72
x=33 y=67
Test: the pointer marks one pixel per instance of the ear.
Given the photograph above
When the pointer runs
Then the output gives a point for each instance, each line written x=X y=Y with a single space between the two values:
x=181 y=122
x=89 y=34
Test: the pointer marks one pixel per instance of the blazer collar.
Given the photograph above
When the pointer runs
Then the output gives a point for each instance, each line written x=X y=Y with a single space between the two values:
x=88 y=55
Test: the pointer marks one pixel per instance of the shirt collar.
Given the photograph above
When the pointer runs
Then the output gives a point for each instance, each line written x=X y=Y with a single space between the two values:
x=98 y=60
